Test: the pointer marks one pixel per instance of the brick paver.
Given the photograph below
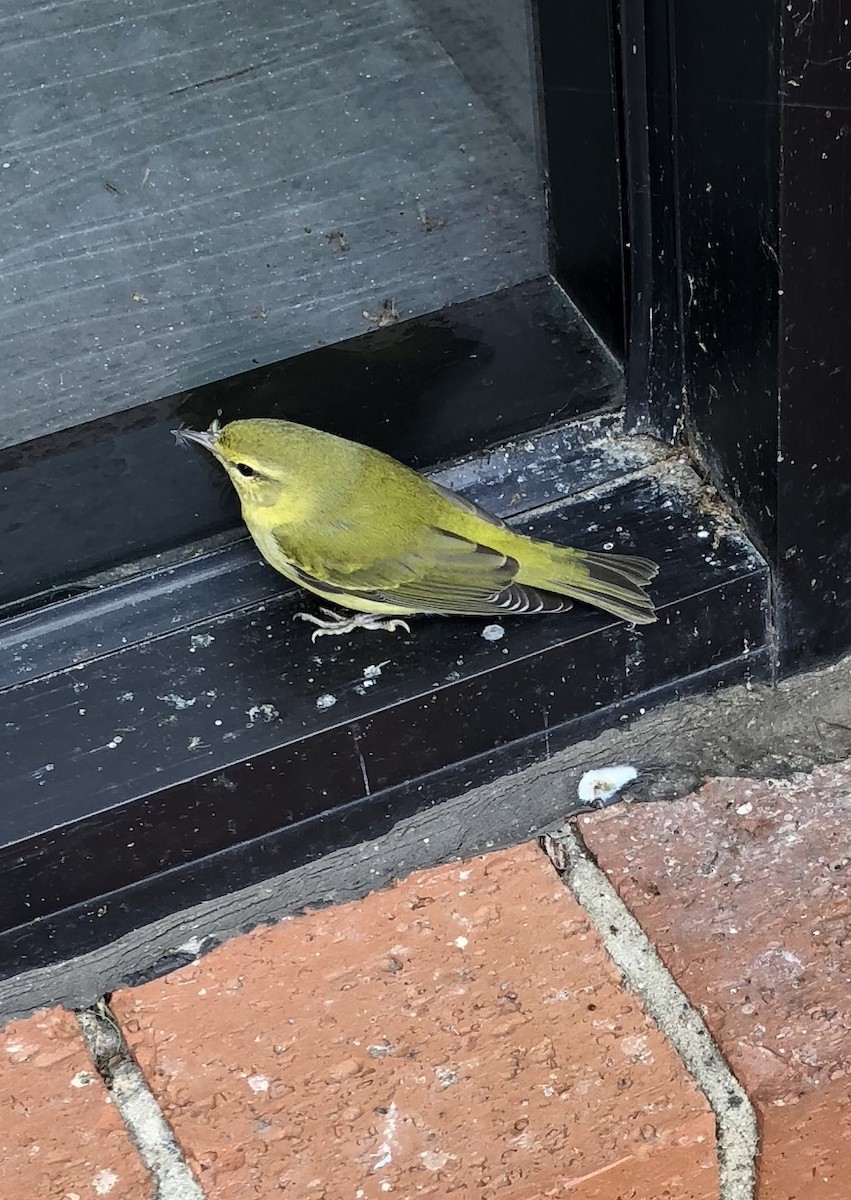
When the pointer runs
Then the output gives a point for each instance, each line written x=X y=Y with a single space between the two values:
x=463 y=1033
x=61 y=1137
x=746 y=890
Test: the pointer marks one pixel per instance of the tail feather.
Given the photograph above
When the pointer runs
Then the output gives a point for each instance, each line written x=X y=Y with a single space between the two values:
x=637 y=570
x=612 y=582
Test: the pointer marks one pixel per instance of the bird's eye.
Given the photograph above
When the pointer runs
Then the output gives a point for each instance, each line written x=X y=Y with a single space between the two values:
x=245 y=470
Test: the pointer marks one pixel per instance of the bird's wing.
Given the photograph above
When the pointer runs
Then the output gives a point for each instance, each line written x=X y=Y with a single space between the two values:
x=442 y=573
x=468 y=506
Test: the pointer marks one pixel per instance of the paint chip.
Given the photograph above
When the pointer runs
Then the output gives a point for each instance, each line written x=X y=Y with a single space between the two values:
x=178 y=702
x=603 y=784
x=264 y=712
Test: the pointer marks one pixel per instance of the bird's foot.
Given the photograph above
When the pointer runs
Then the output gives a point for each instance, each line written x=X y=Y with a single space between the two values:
x=336 y=623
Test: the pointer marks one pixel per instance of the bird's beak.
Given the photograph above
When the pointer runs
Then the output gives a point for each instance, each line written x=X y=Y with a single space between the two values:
x=208 y=439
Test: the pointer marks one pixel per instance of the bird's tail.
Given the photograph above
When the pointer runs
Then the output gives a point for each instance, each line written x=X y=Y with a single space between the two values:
x=613 y=582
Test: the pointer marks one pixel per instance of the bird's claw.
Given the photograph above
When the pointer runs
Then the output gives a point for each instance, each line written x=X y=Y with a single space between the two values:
x=336 y=623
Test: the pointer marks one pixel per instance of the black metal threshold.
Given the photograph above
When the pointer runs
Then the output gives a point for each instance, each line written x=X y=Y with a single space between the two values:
x=176 y=736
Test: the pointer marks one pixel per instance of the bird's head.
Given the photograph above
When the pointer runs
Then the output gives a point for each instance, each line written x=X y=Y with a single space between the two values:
x=256 y=455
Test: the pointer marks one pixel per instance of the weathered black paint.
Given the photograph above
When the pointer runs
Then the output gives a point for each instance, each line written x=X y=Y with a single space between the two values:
x=813 y=555
x=728 y=154
x=180 y=736
x=654 y=365
x=764 y=98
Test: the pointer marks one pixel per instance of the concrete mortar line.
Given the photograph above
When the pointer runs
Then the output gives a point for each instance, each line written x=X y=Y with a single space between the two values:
x=148 y=1128
x=645 y=974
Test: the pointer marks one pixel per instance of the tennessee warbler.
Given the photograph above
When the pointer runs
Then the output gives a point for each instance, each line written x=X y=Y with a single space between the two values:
x=363 y=531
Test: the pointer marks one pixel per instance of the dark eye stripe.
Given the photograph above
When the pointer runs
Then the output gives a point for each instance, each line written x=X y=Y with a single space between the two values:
x=245 y=470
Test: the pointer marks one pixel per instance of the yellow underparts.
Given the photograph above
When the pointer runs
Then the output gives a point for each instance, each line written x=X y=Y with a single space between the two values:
x=270 y=550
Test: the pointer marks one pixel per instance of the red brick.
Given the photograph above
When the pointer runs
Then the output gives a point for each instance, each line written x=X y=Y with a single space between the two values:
x=62 y=1138
x=461 y=1034
x=745 y=889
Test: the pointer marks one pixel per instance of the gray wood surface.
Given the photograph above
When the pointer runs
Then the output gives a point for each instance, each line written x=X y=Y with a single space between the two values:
x=188 y=190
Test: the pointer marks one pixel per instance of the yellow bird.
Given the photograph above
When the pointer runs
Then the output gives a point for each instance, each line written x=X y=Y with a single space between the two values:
x=363 y=531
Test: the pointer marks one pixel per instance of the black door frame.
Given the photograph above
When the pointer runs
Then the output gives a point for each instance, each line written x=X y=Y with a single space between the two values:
x=737 y=128
x=738 y=269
